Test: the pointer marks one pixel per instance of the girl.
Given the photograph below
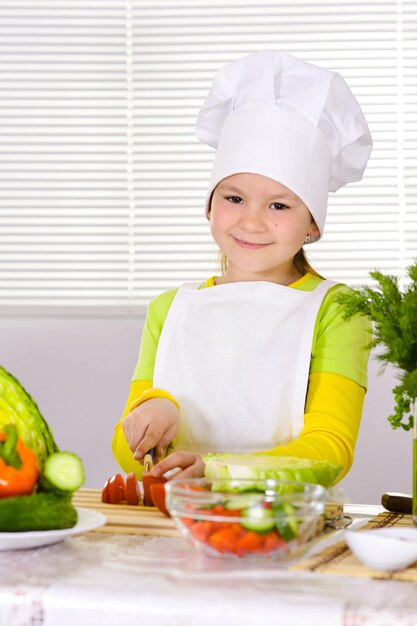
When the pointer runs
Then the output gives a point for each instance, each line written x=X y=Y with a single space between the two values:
x=258 y=359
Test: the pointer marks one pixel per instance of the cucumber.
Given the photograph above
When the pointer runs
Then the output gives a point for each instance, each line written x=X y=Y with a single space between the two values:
x=242 y=502
x=39 y=511
x=288 y=525
x=258 y=518
x=62 y=472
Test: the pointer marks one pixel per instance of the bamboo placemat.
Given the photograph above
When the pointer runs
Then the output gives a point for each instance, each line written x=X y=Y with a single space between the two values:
x=147 y=520
x=333 y=510
x=339 y=560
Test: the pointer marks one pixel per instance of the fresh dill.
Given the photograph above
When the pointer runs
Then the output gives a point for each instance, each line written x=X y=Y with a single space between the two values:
x=393 y=312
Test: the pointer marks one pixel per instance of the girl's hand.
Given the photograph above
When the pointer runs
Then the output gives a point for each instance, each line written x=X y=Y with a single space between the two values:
x=153 y=424
x=191 y=465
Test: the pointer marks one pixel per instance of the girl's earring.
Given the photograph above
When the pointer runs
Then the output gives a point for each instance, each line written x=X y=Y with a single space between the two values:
x=307 y=239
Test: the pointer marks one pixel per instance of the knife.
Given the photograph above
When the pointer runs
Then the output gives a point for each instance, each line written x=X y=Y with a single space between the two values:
x=147 y=479
x=148 y=460
x=397 y=502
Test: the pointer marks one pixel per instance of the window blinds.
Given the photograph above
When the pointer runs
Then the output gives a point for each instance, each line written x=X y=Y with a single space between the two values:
x=102 y=181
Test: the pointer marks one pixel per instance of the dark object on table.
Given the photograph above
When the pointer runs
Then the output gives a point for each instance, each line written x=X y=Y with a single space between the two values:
x=397 y=502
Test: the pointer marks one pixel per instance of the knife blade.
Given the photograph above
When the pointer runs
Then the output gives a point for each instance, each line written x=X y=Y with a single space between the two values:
x=397 y=502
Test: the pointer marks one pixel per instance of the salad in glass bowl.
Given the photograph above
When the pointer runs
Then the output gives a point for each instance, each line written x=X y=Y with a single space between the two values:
x=236 y=518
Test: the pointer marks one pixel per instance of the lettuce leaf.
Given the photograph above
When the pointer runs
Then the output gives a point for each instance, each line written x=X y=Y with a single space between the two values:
x=19 y=408
x=220 y=468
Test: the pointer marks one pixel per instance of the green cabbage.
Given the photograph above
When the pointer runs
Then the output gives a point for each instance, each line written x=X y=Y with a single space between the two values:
x=17 y=407
x=255 y=468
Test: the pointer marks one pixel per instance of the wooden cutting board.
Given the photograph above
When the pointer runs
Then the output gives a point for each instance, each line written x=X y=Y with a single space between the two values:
x=125 y=519
x=147 y=520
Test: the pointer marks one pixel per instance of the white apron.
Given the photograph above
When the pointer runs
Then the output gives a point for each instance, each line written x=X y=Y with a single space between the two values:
x=237 y=359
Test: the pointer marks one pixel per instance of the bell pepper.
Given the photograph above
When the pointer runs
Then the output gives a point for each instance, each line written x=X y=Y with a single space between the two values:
x=19 y=469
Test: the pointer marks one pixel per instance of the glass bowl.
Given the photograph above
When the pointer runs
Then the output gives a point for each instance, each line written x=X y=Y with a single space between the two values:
x=240 y=518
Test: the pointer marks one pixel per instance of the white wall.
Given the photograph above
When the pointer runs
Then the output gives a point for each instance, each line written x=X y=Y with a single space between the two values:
x=79 y=370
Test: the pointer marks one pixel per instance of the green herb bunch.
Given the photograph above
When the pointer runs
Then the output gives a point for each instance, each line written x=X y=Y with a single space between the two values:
x=394 y=316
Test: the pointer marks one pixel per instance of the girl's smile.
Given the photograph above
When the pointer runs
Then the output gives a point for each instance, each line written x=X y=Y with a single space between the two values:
x=250 y=245
x=260 y=225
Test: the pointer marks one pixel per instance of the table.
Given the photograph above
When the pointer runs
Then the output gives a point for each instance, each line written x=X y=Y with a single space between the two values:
x=117 y=580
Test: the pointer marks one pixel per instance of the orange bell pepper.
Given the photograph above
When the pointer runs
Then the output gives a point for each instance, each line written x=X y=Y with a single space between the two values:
x=19 y=470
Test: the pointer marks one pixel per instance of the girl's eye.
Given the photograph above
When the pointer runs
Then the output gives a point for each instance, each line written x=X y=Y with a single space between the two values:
x=278 y=206
x=234 y=199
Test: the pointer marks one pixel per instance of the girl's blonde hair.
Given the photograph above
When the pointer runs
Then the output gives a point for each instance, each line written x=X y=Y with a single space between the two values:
x=301 y=264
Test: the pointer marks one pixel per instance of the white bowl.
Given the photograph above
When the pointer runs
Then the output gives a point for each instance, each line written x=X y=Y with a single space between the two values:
x=385 y=549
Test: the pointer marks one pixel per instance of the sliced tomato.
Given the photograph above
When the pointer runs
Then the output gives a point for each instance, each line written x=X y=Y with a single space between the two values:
x=249 y=542
x=132 y=489
x=224 y=540
x=158 y=497
x=117 y=489
x=105 y=494
x=272 y=541
x=202 y=530
x=114 y=490
x=149 y=480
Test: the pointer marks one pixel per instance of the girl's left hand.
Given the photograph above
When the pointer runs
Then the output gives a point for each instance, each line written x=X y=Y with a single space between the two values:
x=191 y=465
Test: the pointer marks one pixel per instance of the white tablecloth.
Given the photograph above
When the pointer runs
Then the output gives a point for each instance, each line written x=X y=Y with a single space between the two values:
x=117 y=580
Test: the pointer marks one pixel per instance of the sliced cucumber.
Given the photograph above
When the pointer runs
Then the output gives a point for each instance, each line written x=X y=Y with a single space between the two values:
x=63 y=472
x=286 y=522
x=258 y=518
x=243 y=502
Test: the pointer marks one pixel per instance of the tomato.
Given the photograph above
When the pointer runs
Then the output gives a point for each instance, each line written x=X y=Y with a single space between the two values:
x=105 y=494
x=114 y=491
x=224 y=540
x=202 y=530
x=249 y=542
x=219 y=509
x=117 y=489
x=132 y=489
x=158 y=497
x=272 y=541
x=149 y=480
x=238 y=529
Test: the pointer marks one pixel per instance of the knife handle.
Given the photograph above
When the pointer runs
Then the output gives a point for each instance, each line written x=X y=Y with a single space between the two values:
x=148 y=460
x=397 y=502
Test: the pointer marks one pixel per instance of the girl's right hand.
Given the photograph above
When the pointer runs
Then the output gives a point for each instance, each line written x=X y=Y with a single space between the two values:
x=153 y=424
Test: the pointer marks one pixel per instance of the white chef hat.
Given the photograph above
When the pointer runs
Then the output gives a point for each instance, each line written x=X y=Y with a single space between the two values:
x=272 y=114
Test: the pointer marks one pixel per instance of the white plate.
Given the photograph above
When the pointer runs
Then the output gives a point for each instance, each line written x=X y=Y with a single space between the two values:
x=87 y=520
